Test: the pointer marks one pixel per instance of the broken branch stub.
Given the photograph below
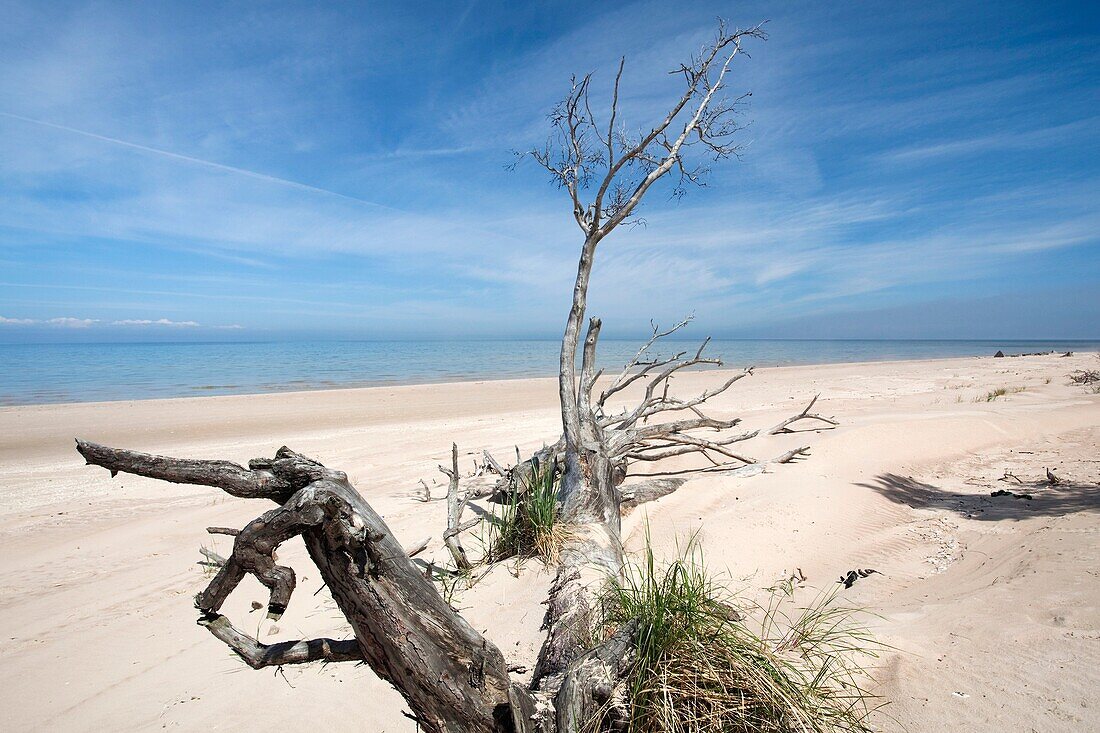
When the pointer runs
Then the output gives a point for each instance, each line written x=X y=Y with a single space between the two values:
x=456 y=503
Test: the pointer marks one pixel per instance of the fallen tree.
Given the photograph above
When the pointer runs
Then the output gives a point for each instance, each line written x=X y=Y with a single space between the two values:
x=452 y=677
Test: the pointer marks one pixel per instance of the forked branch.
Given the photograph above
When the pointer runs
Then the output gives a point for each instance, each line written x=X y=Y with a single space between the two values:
x=784 y=427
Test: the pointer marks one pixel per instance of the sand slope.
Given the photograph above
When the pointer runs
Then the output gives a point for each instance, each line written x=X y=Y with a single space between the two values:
x=992 y=603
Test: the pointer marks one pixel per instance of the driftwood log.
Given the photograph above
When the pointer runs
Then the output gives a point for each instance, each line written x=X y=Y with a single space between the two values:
x=452 y=677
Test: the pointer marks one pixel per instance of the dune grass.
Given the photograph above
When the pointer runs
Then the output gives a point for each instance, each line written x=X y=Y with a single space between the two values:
x=993 y=394
x=528 y=525
x=703 y=664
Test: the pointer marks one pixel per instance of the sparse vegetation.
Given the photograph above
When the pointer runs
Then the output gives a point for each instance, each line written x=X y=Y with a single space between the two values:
x=528 y=525
x=701 y=665
x=999 y=392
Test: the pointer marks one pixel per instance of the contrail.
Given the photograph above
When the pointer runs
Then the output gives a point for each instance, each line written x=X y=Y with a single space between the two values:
x=199 y=161
x=244 y=172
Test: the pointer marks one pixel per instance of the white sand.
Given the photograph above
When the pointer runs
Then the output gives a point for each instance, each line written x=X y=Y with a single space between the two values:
x=991 y=603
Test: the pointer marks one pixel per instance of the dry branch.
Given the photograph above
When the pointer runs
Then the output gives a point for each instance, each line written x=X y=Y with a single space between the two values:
x=494 y=464
x=792 y=454
x=456 y=503
x=213 y=559
x=1085 y=376
x=784 y=427
x=258 y=655
x=418 y=548
x=646 y=491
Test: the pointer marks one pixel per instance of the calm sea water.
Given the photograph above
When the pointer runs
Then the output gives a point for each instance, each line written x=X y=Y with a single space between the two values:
x=42 y=373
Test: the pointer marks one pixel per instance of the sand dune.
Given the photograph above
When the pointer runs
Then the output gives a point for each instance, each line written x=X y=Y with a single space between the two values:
x=990 y=603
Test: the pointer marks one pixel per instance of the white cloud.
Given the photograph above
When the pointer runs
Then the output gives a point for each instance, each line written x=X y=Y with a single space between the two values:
x=158 y=322
x=66 y=322
x=70 y=322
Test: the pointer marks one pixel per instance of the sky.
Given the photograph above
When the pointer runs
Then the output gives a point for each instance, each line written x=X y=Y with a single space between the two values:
x=240 y=171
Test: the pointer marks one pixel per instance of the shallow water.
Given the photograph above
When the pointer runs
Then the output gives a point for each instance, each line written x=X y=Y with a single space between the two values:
x=48 y=373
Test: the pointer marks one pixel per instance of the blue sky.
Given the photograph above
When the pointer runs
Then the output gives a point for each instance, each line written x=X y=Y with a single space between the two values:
x=271 y=170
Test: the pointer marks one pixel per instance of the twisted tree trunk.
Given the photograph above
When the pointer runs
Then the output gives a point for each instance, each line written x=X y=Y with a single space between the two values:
x=453 y=678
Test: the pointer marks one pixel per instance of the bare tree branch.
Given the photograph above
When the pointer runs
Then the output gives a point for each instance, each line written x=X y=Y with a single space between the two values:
x=257 y=483
x=258 y=655
x=784 y=427
x=792 y=454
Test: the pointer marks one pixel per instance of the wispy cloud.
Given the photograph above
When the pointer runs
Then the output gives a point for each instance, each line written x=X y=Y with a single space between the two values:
x=71 y=322
x=158 y=322
x=1025 y=140
x=196 y=161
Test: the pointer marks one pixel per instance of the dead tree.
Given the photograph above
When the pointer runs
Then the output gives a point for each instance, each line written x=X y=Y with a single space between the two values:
x=606 y=172
x=453 y=678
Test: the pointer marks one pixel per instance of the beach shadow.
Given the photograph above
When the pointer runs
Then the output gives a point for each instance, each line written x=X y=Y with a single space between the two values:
x=1046 y=501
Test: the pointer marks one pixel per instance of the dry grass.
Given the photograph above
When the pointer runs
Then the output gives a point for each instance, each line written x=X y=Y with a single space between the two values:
x=703 y=664
x=999 y=392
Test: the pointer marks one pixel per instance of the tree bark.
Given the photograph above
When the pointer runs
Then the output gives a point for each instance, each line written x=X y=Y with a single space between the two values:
x=591 y=553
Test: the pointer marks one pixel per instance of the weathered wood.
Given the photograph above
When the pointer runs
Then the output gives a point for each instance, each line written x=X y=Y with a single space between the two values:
x=456 y=502
x=213 y=559
x=498 y=469
x=784 y=427
x=532 y=712
x=419 y=547
x=592 y=552
x=590 y=555
x=792 y=454
x=591 y=692
x=516 y=480
x=258 y=655
x=229 y=477
x=646 y=491
x=452 y=678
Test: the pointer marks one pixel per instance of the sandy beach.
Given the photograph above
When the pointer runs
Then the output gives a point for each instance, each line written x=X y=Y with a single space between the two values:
x=991 y=604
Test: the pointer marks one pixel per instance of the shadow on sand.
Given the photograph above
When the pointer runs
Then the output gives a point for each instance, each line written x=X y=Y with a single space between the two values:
x=1046 y=501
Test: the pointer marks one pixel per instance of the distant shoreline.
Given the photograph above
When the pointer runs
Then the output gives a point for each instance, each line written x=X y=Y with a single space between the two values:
x=305 y=387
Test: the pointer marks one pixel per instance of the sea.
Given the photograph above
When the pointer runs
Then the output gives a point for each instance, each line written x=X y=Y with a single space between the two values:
x=88 y=372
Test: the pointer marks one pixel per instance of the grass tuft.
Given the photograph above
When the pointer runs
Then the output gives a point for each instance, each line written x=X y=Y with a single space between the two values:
x=703 y=665
x=528 y=525
x=999 y=392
